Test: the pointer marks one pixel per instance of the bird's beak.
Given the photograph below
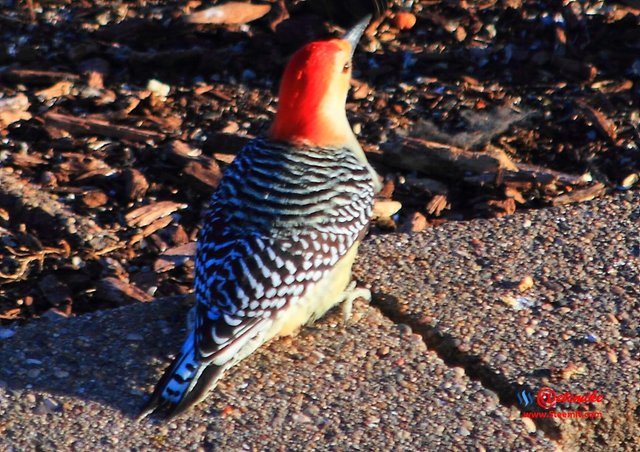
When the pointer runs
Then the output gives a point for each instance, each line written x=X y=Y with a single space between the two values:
x=355 y=33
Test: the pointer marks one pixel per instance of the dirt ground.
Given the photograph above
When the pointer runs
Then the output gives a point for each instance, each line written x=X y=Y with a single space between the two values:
x=118 y=118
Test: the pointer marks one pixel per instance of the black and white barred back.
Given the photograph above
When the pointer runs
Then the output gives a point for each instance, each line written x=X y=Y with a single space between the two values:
x=280 y=220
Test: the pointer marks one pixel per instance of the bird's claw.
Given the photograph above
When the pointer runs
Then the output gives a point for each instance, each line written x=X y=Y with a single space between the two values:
x=350 y=294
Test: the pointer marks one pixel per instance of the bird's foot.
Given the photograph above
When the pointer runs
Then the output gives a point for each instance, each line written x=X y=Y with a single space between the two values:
x=350 y=294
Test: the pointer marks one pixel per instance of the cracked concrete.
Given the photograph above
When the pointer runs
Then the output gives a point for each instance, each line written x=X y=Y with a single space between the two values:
x=77 y=383
x=577 y=329
x=435 y=363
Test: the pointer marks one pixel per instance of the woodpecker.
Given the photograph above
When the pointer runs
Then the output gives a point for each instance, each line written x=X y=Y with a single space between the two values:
x=279 y=239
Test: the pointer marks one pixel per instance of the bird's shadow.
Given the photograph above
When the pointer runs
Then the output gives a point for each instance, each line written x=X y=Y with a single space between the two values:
x=111 y=357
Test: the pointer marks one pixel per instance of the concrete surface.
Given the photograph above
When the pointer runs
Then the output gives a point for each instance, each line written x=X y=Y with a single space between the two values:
x=577 y=329
x=434 y=364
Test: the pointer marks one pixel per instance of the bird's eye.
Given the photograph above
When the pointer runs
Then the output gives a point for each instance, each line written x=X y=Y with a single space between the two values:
x=346 y=68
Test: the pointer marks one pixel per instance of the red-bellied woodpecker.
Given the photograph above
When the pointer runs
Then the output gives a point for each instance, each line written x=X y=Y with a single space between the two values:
x=283 y=228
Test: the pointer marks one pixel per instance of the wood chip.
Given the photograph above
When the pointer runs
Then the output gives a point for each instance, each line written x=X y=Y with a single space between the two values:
x=136 y=184
x=229 y=13
x=207 y=177
x=175 y=257
x=95 y=79
x=120 y=292
x=42 y=211
x=404 y=20
x=224 y=158
x=584 y=194
x=442 y=160
x=512 y=192
x=94 y=198
x=36 y=77
x=225 y=143
x=415 y=223
x=611 y=86
x=574 y=68
x=425 y=185
x=100 y=127
x=180 y=152
x=156 y=226
x=145 y=215
x=437 y=204
x=496 y=207
x=385 y=208
x=604 y=125
x=13 y=109
x=529 y=177
x=360 y=91
x=281 y=14
x=62 y=88
x=629 y=181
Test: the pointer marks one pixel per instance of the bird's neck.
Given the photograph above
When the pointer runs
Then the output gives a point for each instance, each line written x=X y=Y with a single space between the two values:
x=324 y=126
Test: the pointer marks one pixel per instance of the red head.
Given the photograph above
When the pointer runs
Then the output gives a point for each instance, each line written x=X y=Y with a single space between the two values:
x=313 y=93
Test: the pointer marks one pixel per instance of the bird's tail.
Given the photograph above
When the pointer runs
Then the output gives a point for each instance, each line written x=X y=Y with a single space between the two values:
x=185 y=383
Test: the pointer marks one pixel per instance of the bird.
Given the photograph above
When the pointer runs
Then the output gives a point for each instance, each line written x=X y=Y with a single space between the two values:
x=282 y=229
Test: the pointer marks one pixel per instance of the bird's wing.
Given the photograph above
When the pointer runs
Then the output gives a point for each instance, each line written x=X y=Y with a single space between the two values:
x=244 y=282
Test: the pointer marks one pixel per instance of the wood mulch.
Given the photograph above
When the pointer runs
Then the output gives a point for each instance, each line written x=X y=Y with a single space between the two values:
x=117 y=120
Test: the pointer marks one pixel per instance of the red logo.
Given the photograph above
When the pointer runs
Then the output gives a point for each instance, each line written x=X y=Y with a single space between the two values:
x=546 y=398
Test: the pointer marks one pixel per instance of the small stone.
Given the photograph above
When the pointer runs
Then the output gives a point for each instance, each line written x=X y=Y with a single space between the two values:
x=51 y=404
x=459 y=372
x=571 y=370
x=525 y=283
x=60 y=373
x=403 y=329
x=529 y=425
x=312 y=410
x=6 y=333
x=300 y=418
x=592 y=338
x=134 y=337
x=33 y=373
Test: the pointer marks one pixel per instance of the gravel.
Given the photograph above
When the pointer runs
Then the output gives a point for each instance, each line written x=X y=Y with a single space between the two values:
x=465 y=288
x=456 y=329
x=370 y=385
